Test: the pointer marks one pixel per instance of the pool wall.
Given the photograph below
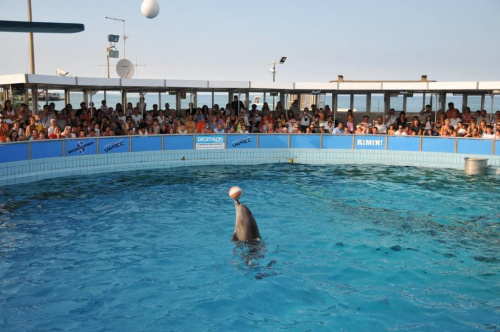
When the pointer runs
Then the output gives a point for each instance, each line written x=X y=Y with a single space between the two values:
x=24 y=162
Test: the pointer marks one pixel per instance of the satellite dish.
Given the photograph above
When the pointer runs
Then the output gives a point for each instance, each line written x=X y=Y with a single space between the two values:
x=150 y=8
x=125 y=68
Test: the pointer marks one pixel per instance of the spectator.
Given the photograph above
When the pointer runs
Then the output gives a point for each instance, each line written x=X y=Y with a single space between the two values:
x=339 y=129
x=9 y=114
x=381 y=128
x=489 y=134
x=390 y=118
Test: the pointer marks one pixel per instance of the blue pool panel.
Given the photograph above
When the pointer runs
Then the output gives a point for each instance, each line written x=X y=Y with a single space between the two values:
x=305 y=141
x=46 y=149
x=476 y=146
x=337 y=142
x=146 y=143
x=13 y=152
x=404 y=143
x=438 y=144
x=269 y=141
x=173 y=142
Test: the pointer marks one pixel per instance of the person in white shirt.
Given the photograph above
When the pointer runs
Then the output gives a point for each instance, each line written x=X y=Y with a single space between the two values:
x=489 y=133
x=400 y=132
x=381 y=128
x=454 y=120
x=390 y=118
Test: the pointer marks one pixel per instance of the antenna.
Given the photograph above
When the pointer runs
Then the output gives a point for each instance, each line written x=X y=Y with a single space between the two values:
x=125 y=37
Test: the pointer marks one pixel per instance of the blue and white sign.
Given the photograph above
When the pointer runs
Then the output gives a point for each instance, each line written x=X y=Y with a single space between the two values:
x=369 y=142
x=80 y=147
x=114 y=145
x=242 y=142
x=210 y=142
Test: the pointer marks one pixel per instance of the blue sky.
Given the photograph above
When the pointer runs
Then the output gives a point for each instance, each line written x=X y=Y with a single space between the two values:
x=236 y=40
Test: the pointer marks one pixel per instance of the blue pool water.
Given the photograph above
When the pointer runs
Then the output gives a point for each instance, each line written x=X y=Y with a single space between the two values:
x=345 y=248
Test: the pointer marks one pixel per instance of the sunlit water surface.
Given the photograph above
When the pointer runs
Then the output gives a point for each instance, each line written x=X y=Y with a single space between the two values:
x=345 y=248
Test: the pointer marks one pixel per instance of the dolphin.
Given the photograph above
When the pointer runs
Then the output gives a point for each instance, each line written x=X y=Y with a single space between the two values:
x=245 y=228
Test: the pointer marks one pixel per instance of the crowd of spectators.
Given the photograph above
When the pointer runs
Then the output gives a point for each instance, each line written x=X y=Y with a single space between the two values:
x=19 y=125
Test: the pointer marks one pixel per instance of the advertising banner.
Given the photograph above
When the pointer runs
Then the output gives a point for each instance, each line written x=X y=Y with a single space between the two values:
x=77 y=147
x=210 y=142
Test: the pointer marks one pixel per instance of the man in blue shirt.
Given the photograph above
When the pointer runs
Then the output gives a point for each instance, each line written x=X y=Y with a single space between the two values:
x=339 y=129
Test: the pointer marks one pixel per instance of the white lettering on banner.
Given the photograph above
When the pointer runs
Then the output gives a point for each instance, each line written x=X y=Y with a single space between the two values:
x=209 y=139
x=210 y=142
x=370 y=142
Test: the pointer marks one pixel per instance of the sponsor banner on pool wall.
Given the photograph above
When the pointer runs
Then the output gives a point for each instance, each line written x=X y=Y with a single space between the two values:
x=242 y=142
x=114 y=145
x=80 y=147
x=210 y=142
x=369 y=142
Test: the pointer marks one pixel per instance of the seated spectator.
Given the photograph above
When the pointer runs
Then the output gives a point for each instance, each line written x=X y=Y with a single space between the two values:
x=401 y=131
x=426 y=111
x=391 y=130
x=466 y=115
x=416 y=127
x=374 y=131
x=428 y=126
x=16 y=126
x=489 y=134
x=401 y=120
x=219 y=129
x=13 y=137
x=461 y=129
x=4 y=131
x=360 y=129
x=296 y=129
x=390 y=118
x=143 y=129
x=349 y=121
x=56 y=134
x=328 y=126
x=381 y=127
x=243 y=130
x=339 y=129
x=207 y=129
x=67 y=132
x=497 y=134
x=455 y=119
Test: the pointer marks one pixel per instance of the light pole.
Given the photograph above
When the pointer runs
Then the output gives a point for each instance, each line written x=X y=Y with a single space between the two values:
x=111 y=51
x=124 y=35
x=32 y=47
x=273 y=70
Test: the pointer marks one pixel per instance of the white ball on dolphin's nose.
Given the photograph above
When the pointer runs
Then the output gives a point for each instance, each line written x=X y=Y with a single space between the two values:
x=235 y=192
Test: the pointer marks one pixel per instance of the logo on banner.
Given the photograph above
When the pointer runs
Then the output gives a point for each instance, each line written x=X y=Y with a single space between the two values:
x=80 y=147
x=113 y=145
x=210 y=142
x=370 y=142
x=241 y=141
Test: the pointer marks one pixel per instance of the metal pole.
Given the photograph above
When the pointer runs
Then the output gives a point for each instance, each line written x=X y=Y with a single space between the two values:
x=32 y=47
x=107 y=59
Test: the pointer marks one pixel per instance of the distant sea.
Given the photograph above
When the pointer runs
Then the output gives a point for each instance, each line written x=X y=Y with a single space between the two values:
x=414 y=104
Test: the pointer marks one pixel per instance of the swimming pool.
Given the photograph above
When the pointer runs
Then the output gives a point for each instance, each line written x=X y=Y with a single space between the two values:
x=345 y=248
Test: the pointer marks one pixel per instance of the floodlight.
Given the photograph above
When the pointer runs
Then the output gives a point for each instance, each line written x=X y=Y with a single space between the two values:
x=283 y=59
x=113 y=38
x=113 y=54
